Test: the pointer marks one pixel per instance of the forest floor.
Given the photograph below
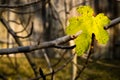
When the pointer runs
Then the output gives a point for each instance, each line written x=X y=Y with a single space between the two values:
x=18 y=69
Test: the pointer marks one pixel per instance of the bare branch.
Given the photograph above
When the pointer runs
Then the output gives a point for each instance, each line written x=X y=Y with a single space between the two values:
x=40 y=46
x=42 y=74
x=47 y=60
x=58 y=69
x=89 y=54
x=18 y=41
x=19 y=5
x=12 y=32
x=29 y=34
x=25 y=12
x=25 y=27
x=112 y=23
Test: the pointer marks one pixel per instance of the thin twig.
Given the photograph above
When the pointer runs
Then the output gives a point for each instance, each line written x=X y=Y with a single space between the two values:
x=89 y=54
x=42 y=74
x=20 y=5
x=29 y=34
x=12 y=32
x=25 y=27
x=18 y=41
x=25 y=12
x=52 y=75
x=59 y=60
x=65 y=47
x=58 y=69
x=47 y=60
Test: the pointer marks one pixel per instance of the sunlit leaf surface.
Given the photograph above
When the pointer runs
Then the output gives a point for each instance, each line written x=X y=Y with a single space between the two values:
x=88 y=24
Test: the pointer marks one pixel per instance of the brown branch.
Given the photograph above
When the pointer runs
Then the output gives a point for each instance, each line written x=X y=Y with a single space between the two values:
x=42 y=74
x=29 y=34
x=26 y=26
x=59 y=60
x=52 y=75
x=25 y=12
x=18 y=41
x=58 y=69
x=19 y=5
x=40 y=46
x=65 y=47
x=12 y=32
x=89 y=54
x=112 y=23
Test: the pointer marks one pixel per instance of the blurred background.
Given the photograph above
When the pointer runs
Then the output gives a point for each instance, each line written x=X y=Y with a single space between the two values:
x=46 y=20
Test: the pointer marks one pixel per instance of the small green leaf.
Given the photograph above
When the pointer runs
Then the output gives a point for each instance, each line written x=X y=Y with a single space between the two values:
x=88 y=24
